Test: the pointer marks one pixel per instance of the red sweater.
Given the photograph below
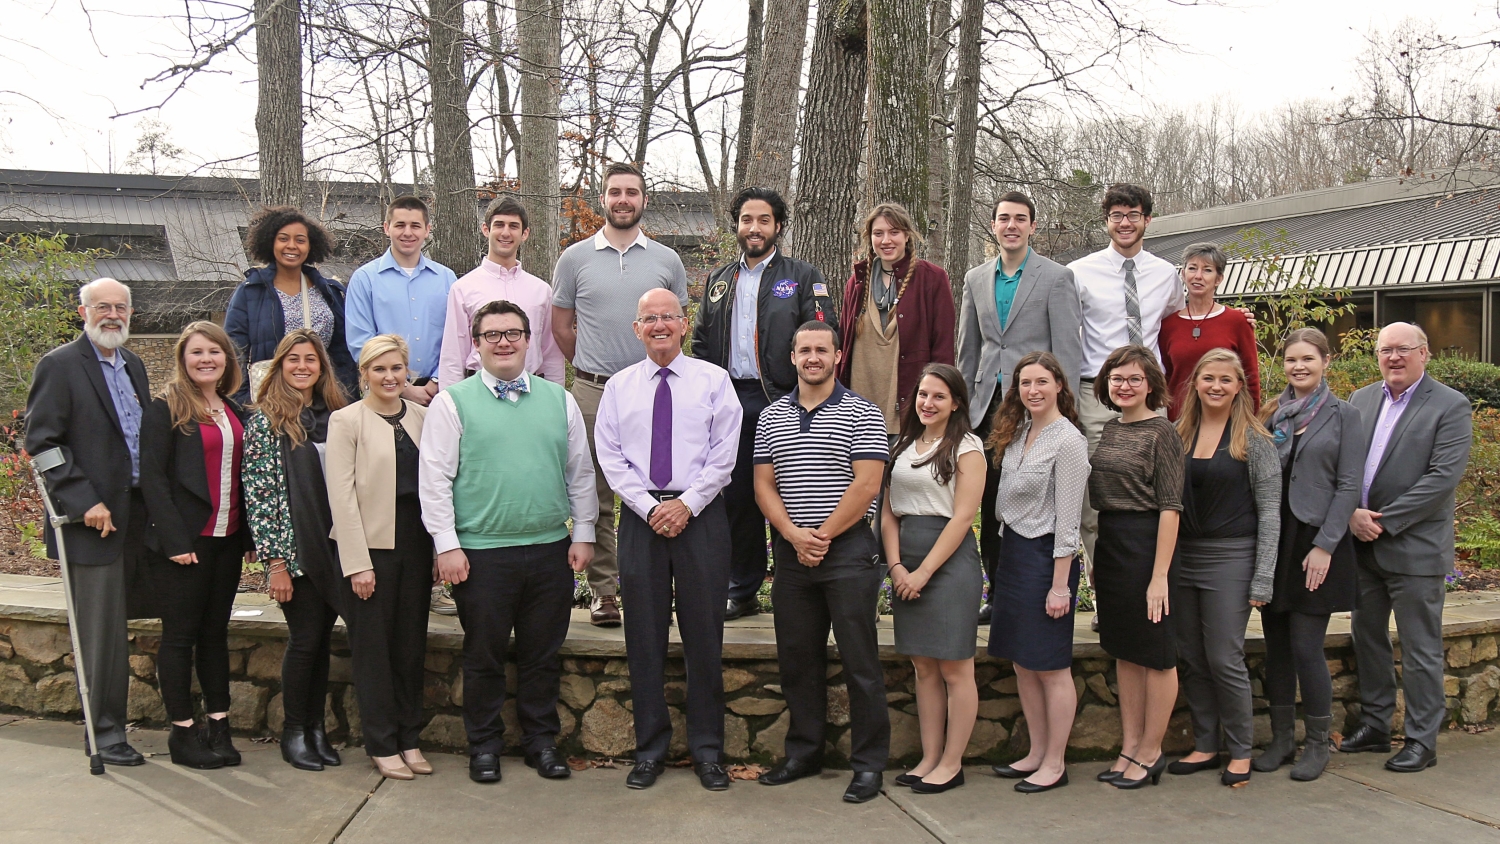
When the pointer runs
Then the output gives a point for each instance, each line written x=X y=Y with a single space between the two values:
x=926 y=323
x=1180 y=352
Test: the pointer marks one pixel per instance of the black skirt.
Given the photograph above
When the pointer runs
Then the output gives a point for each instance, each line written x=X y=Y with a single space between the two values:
x=1020 y=629
x=1335 y=594
x=1124 y=558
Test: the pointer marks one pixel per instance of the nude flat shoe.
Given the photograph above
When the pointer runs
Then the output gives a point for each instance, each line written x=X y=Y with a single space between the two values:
x=416 y=761
x=392 y=768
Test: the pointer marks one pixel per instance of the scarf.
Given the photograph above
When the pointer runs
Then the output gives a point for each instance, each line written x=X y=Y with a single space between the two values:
x=1293 y=414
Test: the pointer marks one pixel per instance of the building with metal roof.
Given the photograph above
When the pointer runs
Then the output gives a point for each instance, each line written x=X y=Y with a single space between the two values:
x=1418 y=249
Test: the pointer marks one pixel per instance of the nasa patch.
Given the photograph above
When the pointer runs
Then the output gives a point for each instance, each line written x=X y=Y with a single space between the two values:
x=784 y=289
x=717 y=291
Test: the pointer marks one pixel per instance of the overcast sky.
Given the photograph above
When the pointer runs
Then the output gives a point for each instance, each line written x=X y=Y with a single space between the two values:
x=61 y=80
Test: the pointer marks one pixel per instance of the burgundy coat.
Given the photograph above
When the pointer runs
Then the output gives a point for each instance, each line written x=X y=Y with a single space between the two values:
x=925 y=323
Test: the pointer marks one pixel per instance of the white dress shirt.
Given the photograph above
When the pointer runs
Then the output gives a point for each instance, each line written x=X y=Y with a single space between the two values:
x=706 y=420
x=744 y=356
x=1101 y=293
x=441 y=430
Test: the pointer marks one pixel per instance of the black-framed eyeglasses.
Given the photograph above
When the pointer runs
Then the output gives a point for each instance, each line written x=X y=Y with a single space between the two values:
x=514 y=335
x=1120 y=217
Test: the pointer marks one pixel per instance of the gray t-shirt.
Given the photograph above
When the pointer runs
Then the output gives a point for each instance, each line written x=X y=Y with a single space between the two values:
x=603 y=285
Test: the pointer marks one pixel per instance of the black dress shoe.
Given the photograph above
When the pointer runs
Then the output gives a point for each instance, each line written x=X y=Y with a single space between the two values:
x=712 y=775
x=297 y=751
x=219 y=740
x=1152 y=777
x=1182 y=768
x=644 y=774
x=740 y=609
x=484 y=767
x=1366 y=739
x=318 y=740
x=985 y=613
x=925 y=787
x=905 y=780
x=1412 y=758
x=790 y=770
x=549 y=764
x=1029 y=787
x=189 y=749
x=1108 y=775
x=866 y=786
x=1010 y=773
x=1230 y=778
x=121 y=754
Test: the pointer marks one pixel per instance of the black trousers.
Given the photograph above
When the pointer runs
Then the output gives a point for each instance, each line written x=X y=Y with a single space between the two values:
x=304 y=669
x=388 y=636
x=696 y=562
x=840 y=592
x=195 y=602
x=989 y=522
x=1294 y=651
x=747 y=525
x=528 y=589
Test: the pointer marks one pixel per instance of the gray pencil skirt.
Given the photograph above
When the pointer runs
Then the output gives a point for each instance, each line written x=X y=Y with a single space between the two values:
x=943 y=622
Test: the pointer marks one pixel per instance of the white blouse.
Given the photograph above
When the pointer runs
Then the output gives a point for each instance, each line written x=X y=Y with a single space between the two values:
x=1041 y=488
x=914 y=489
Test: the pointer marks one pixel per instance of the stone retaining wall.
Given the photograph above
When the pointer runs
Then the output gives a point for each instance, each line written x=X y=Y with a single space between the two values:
x=36 y=677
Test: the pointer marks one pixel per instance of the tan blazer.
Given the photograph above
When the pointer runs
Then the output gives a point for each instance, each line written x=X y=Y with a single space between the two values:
x=360 y=466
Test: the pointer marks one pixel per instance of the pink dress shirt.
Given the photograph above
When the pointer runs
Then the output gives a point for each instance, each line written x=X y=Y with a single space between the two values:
x=706 y=420
x=1391 y=411
x=487 y=283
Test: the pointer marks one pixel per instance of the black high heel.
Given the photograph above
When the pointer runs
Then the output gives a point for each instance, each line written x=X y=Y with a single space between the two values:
x=1230 y=778
x=1108 y=775
x=1153 y=773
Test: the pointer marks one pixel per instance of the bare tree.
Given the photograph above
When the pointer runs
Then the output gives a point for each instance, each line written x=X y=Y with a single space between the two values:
x=153 y=148
x=539 y=30
x=778 y=83
x=456 y=240
x=939 y=45
x=751 y=77
x=278 y=113
x=965 y=134
x=899 y=107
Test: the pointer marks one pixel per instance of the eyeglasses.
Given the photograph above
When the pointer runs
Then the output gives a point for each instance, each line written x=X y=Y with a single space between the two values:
x=105 y=309
x=1121 y=380
x=652 y=320
x=1398 y=351
x=1120 y=217
x=514 y=335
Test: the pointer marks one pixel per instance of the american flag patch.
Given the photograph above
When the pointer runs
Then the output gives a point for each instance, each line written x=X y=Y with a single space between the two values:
x=820 y=290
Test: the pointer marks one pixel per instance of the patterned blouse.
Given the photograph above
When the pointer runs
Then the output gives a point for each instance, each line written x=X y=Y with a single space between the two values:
x=267 y=503
x=1138 y=467
x=1041 y=488
x=291 y=313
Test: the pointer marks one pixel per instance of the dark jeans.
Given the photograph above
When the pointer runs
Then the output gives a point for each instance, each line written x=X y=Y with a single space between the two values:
x=388 y=637
x=747 y=525
x=304 y=668
x=1294 y=652
x=528 y=589
x=989 y=523
x=195 y=602
x=696 y=563
x=839 y=593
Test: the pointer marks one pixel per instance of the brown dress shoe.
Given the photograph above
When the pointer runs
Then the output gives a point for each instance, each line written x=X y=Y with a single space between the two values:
x=606 y=612
x=392 y=768
x=416 y=761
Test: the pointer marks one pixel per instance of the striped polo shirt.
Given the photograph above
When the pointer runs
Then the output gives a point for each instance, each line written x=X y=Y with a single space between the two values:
x=813 y=451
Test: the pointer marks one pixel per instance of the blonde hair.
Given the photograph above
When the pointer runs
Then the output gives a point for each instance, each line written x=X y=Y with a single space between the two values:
x=280 y=402
x=378 y=345
x=1242 y=418
x=184 y=400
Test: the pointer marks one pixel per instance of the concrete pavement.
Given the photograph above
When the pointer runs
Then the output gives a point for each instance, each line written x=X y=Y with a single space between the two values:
x=49 y=796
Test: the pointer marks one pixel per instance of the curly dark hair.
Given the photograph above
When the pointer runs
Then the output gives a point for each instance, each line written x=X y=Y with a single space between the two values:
x=766 y=195
x=1143 y=357
x=1123 y=195
x=260 y=239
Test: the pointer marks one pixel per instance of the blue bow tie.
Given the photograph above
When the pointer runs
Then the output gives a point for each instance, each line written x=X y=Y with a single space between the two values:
x=505 y=388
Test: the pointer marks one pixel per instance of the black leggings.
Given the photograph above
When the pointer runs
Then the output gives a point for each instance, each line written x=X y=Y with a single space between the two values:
x=304 y=669
x=1294 y=653
x=195 y=601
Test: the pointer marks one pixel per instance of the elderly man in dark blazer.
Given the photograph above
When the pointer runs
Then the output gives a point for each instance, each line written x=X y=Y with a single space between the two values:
x=83 y=424
x=1418 y=433
x=1041 y=314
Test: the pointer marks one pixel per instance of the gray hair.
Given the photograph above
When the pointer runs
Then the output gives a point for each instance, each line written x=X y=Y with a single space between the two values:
x=86 y=292
x=1211 y=251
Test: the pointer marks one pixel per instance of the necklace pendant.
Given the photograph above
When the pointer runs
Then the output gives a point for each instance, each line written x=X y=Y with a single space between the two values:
x=1197 y=332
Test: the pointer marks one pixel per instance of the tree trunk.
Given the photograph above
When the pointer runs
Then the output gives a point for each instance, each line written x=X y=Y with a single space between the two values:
x=939 y=45
x=780 y=79
x=278 y=112
x=456 y=239
x=748 y=85
x=965 y=133
x=651 y=87
x=898 y=154
x=539 y=31
x=828 y=182
x=502 y=83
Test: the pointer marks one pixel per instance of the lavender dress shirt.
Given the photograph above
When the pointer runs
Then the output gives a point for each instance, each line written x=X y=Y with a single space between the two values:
x=1390 y=413
x=705 y=424
x=487 y=283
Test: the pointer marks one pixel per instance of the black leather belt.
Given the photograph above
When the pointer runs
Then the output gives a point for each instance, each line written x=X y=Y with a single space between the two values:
x=663 y=495
x=590 y=377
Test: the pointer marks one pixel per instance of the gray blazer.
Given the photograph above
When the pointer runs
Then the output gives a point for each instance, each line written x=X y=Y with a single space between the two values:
x=1044 y=317
x=1414 y=484
x=1327 y=470
x=1265 y=482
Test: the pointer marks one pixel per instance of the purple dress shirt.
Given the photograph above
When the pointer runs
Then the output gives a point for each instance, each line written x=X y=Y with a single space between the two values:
x=1391 y=410
x=706 y=420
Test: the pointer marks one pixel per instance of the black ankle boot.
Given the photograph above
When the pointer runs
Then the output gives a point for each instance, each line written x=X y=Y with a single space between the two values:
x=318 y=740
x=217 y=736
x=297 y=751
x=188 y=748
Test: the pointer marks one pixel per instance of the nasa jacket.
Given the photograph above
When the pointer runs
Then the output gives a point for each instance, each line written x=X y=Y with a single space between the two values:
x=791 y=292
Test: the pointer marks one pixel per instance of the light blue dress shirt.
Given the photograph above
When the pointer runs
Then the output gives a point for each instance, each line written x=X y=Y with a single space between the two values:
x=127 y=407
x=744 y=360
x=382 y=299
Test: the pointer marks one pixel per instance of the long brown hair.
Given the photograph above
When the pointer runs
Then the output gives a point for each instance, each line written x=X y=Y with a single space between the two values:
x=895 y=215
x=943 y=458
x=184 y=400
x=1242 y=418
x=1311 y=336
x=280 y=402
x=1012 y=411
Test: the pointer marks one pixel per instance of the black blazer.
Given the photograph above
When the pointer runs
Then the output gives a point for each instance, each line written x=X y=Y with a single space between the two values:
x=1327 y=472
x=174 y=481
x=70 y=408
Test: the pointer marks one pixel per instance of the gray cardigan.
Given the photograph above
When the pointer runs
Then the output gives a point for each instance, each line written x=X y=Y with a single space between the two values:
x=1265 y=480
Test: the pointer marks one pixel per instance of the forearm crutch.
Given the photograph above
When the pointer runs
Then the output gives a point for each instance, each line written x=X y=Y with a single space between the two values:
x=51 y=459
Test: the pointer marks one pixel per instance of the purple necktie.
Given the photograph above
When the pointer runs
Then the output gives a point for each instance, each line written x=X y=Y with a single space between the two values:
x=661 y=432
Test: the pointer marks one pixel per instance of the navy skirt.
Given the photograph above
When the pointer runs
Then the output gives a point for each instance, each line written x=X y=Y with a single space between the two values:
x=1020 y=629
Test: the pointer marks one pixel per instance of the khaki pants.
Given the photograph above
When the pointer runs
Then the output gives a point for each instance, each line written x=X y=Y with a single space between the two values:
x=604 y=571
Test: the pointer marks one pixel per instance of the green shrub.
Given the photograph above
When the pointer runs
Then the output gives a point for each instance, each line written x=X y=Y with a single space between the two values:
x=1479 y=381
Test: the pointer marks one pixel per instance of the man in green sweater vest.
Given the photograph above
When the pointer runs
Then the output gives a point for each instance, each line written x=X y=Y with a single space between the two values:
x=497 y=503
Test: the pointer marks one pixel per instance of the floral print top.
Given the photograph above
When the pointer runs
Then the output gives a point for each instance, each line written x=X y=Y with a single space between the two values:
x=266 y=500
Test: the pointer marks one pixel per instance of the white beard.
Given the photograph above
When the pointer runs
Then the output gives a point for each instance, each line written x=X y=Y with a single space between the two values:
x=108 y=340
